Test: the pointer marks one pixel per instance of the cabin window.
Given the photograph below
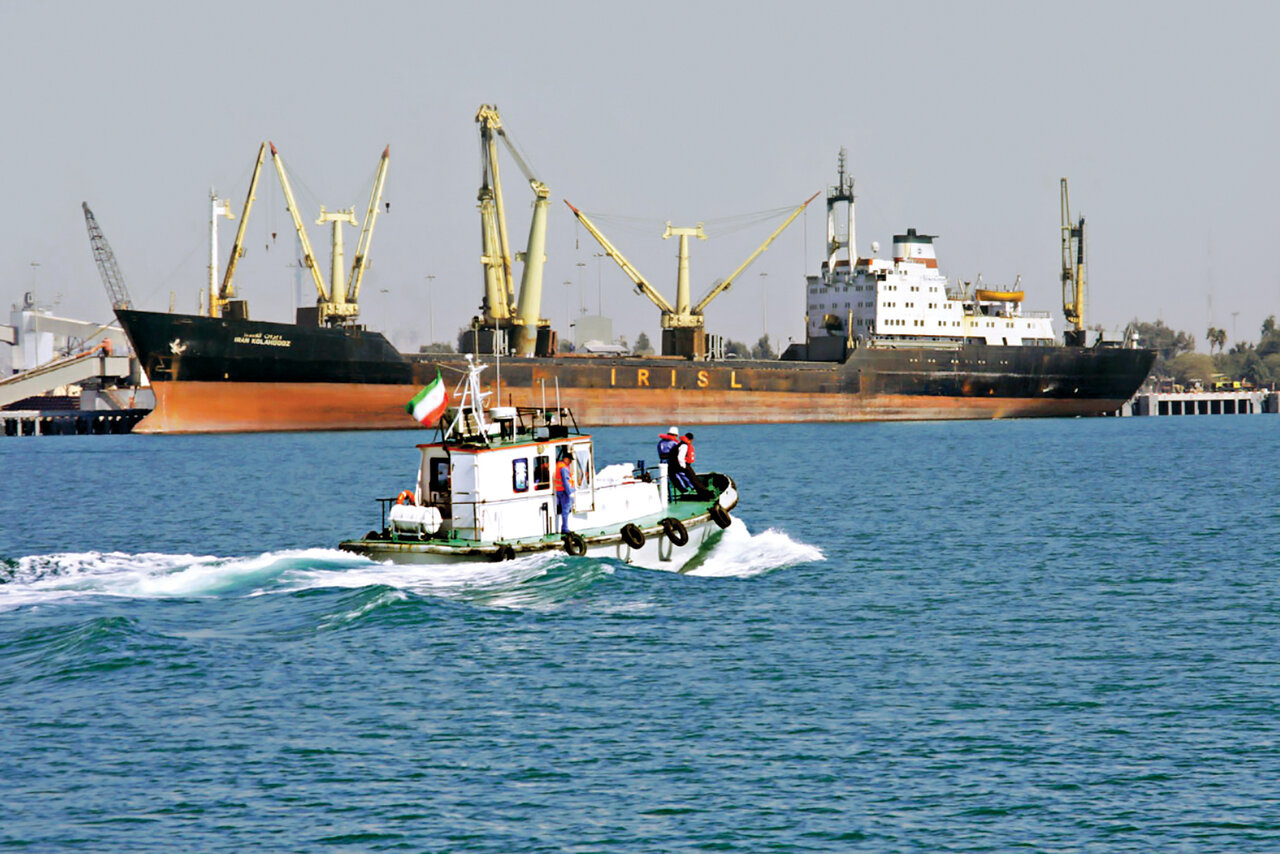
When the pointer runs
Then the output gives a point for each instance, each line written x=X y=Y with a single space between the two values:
x=440 y=475
x=542 y=472
x=520 y=475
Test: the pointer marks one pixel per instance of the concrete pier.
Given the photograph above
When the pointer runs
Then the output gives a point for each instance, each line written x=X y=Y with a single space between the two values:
x=1234 y=402
x=76 y=422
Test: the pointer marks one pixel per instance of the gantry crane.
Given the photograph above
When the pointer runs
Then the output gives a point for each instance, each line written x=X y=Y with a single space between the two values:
x=1073 y=278
x=106 y=260
x=683 y=325
x=337 y=303
x=498 y=308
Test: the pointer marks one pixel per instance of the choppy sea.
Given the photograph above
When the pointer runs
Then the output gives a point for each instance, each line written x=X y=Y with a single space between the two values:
x=1048 y=635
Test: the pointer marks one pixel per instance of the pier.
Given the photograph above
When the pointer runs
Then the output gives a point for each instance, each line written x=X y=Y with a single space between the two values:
x=1227 y=402
x=75 y=422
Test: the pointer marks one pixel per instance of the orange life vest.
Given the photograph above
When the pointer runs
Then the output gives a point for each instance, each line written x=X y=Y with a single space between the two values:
x=560 y=466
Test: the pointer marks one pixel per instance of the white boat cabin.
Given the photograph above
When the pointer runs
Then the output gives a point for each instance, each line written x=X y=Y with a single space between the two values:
x=492 y=479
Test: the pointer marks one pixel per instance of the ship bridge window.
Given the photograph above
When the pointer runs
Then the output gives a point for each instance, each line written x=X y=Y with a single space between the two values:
x=542 y=472
x=520 y=475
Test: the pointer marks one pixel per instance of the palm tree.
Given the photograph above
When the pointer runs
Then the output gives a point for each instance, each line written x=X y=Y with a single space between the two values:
x=1216 y=337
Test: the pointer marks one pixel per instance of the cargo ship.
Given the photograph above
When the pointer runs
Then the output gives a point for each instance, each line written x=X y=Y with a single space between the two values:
x=886 y=339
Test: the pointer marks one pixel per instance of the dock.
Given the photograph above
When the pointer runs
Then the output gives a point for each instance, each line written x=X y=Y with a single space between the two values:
x=1226 y=402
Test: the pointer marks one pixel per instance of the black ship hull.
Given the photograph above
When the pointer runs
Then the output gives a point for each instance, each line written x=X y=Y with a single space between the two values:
x=221 y=375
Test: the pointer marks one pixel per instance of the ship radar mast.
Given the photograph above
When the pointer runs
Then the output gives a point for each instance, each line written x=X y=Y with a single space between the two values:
x=841 y=237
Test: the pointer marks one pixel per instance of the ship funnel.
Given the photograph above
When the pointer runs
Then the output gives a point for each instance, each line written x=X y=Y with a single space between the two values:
x=913 y=247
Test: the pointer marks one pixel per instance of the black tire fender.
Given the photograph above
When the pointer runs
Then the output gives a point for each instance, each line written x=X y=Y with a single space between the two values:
x=720 y=516
x=503 y=552
x=574 y=544
x=632 y=535
x=675 y=530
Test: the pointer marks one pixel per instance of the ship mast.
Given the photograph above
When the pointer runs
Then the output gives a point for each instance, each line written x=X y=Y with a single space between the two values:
x=838 y=238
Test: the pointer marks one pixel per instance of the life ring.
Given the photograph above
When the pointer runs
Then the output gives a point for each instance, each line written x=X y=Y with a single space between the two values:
x=720 y=516
x=632 y=535
x=503 y=552
x=675 y=530
x=574 y=544
x=405 y=497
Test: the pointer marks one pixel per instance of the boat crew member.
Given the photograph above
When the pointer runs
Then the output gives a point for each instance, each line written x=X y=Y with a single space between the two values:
x=684 y=458
x=564 y=487
x=669 y=445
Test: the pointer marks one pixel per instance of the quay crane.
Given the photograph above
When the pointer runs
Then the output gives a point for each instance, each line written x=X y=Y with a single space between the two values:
x=1073 y=280
x=501 y=307
x=338 y=303
x=683 y=325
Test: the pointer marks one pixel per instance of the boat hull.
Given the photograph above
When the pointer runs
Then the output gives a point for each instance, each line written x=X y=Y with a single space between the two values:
x=658 y=551
x=222 y=375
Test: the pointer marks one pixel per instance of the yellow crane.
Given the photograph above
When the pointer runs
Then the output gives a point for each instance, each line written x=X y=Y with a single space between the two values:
x=683 y=325
x=1073 y=279
x=218 y=302
x=501 y=306
x=336 y=303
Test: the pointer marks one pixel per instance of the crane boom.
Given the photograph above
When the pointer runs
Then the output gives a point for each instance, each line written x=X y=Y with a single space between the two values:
x=642 y=284
x=106 y=260
x=724 y=285
x=237 y=249
x=1073 y=281
x=308 y=257
x=491 y=191
x=366 y=234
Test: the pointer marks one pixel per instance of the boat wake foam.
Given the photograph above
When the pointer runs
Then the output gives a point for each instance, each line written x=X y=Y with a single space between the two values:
x=741 y=554
x=520 y=583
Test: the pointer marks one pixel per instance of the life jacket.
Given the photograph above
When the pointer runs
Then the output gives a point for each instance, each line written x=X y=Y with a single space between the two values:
x=688 y=460
x=560 y=466
x=668 y=445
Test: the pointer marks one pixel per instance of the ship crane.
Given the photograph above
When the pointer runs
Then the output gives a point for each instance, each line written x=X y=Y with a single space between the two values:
x=501 y=306
x=106 y=260
x=683 y=325
x=1073 y=279
x=337 y=303
x=220 y=300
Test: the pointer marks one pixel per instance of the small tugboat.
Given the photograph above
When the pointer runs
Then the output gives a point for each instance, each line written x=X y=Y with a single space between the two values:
x=486 y=491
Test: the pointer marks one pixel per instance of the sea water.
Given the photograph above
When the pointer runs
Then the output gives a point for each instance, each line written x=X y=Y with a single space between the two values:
x=1053 y=635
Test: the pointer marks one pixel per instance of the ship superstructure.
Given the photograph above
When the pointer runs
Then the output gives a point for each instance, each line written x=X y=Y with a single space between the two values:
x=905 y=300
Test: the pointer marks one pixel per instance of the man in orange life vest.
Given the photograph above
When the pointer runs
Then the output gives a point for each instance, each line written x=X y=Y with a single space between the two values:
x=684 y=456
x=669 y=445
x=564 y=487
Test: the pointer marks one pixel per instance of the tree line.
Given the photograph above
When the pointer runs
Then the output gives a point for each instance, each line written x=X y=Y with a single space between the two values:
x=1176 y=357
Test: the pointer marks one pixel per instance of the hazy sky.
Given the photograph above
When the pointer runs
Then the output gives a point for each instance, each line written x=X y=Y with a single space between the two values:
x=959 y=119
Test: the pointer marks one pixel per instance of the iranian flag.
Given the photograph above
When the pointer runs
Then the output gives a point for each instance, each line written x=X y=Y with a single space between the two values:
x=428 y=405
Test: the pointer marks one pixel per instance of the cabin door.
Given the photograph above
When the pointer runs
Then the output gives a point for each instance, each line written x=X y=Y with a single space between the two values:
x=584 y=477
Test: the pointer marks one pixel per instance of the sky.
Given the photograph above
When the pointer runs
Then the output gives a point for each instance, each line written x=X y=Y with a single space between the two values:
x=959 y=120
